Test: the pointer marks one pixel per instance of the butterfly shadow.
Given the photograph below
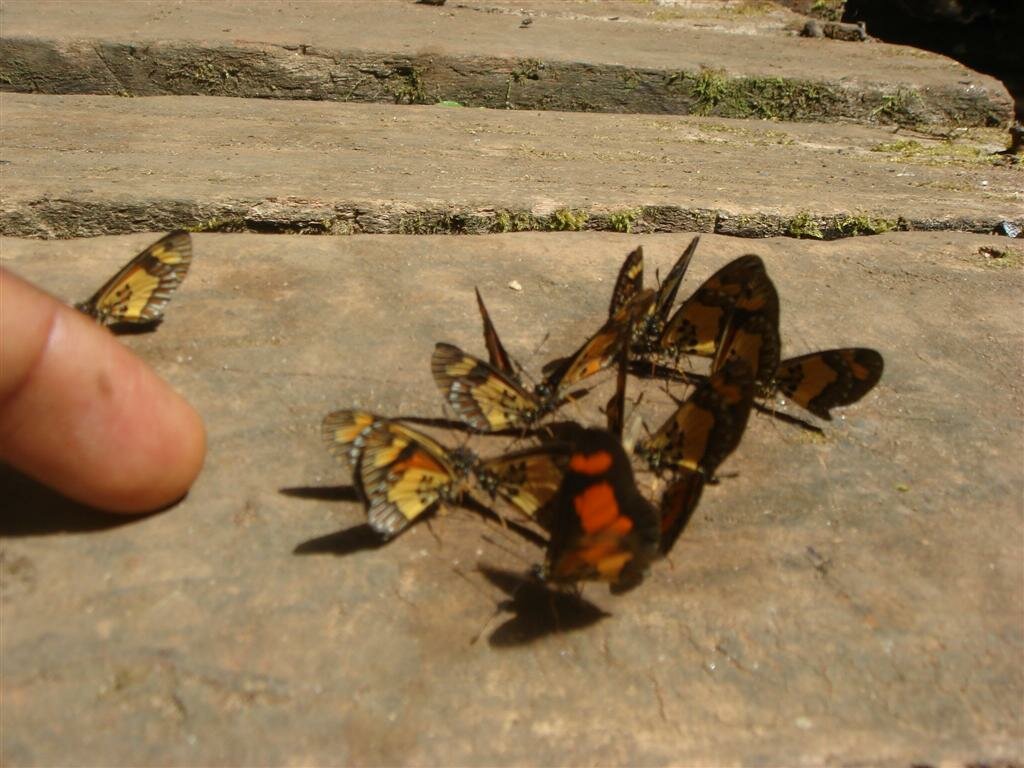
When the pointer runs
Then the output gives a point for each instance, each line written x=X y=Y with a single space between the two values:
x=537 y=609
x=348 y=541
x=32 y=509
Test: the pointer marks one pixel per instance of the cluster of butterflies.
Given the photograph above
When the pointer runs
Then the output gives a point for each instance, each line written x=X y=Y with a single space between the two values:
x=576 y=484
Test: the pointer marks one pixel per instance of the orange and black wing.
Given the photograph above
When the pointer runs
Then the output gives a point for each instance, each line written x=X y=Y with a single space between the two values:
x=707 y=427
x=678 y=504
x=496 y=353
x=647 y=332
x=629 y=282
x=740 y=286
x=600 y=350
x=140 y=291
x=615 y=409
x=404 y=474
x=753 y=339
x=602 y=528
x=482 y=396
x=824 y=380
x=667 y=290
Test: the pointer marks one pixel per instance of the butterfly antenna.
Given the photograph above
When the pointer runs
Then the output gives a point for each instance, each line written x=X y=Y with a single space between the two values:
x=430 y=527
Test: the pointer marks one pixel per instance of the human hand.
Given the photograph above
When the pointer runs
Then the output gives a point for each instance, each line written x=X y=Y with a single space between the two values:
x=82 y=414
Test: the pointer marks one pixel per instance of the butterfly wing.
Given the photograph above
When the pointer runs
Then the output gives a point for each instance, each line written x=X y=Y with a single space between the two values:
x=140 y=291
x=496 y=353
x=667 y=290
x=404 y=474
x=629 y=282
x=742 y=286
x=678 y=504
x=481 y=395
x=600 y=350
x=343 y=433
x=615 y=409
x=824 y=380
x=753 y=339
x=707 y=427
x=527 y=479
x=601 y=526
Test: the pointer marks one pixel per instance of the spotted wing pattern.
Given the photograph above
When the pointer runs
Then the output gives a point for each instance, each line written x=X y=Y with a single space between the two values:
x=741 y=286
x=140 y=291
x=707 y=427
x=405 y=474
x=824 y=380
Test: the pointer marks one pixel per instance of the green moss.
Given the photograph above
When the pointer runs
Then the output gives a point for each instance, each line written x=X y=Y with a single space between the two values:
x=507 y=221
x=566 y=220
x=898 y=107
x=947 y=152
x=623 y=221
x=710 y=88
x=773 y=98
x=804 y=225
x=829 y=10
x=446 y=223
x=220 y=224
x=410 y=88
x=863 y=225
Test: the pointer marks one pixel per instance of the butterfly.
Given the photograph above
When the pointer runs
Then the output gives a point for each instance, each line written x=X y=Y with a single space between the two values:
x=630 y=281
x=602 y=528
x=707 y=427
x=139 y=292
x=823 y=380
x=734 y=293
x=491 y=399
x=401 y=473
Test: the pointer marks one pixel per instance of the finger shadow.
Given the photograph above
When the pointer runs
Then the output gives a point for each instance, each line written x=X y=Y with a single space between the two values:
x=32 y=509
x=538 y=609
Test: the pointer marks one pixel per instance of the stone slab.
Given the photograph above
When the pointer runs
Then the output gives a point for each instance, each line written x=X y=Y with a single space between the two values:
x=571 y=57
x=854 y=598
x=90 y=165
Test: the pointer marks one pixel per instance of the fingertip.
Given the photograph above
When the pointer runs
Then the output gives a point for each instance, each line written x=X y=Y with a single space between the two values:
x=79 y=412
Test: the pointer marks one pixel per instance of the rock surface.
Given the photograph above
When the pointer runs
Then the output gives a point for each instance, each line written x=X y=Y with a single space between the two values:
x=856 y=594
x=478 y=54
x=854 y=597
x=89 y=165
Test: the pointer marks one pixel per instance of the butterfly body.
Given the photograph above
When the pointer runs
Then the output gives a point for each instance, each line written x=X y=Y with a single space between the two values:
x=141 y=289
x=648 y=329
